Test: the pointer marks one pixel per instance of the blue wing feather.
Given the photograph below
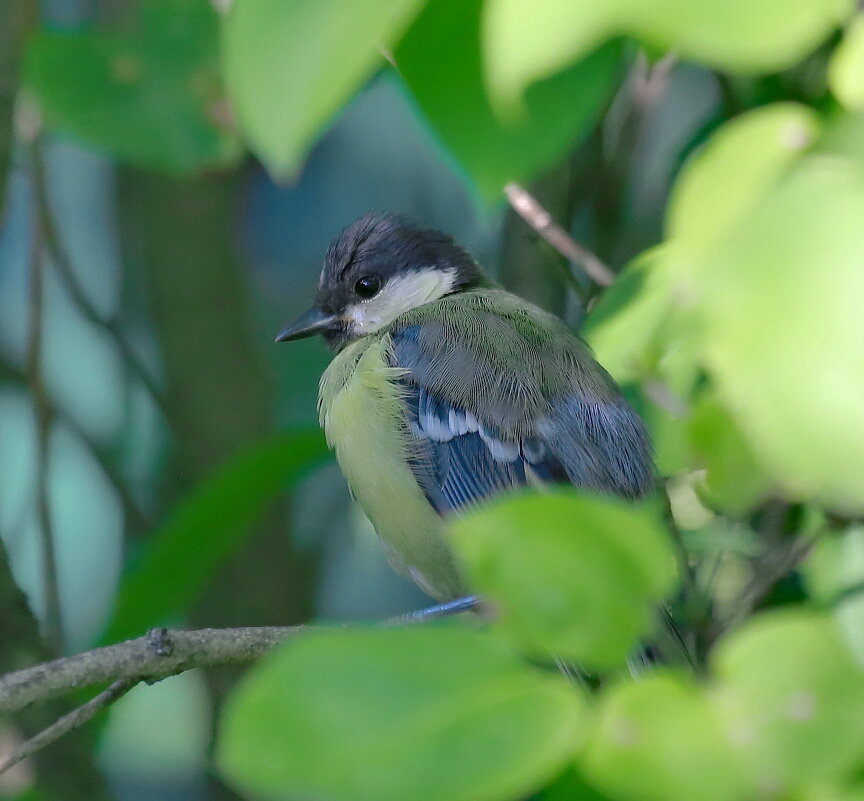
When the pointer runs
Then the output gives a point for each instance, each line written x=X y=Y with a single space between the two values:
x=458 y=460
x=455 y=470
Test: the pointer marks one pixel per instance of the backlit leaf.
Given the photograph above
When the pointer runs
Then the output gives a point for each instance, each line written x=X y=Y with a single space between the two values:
x=427 y=714
x=558 y=112
x=290 y=66
x=569 y=574
x=152 y=98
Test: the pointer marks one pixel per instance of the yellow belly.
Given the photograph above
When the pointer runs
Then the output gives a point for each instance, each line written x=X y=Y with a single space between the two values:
x=362 y=416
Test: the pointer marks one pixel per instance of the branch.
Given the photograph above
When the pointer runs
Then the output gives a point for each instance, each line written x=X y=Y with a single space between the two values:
x=158 y=654
x=63 y=264
x=163 y=652
x=768 y=572
x=76 y=718
x=530 y=210
x=52 y=622
x=138 y=521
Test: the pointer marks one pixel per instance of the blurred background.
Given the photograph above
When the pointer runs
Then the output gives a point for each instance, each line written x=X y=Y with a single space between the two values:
x=171 y=174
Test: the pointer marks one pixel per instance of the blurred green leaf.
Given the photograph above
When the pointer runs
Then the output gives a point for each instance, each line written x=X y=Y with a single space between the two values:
x=844 y=137
x=525 y=41
x=659 y=739
x=851 y=791
x=623 y=327
x=453 y=98
x=834 y=572
x=206 y=528
x=570 y=786
x=427 y=714
x=734 y=480
x=668 y=433
x=784 y=333
x=571 y=575
x=846 y=70
x=151 y=98
x=792 y=698
x=640 y=336
x=290 y=66
x=731 y=175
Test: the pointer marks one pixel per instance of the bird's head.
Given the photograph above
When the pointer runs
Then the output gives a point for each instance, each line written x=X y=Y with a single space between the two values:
x=379 y=267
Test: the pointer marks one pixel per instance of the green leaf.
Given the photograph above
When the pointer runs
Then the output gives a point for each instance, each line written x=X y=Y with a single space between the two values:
x=734 y=480
x=784 y=333
x=659 y=739
x=834 y=572
x=623 y=327
x=427 y=714
x=151 y=98
x=525 y=41
x=846 y=70
x=290 y=66
x=641 y=336
x=206 y=528
x=740 y=164
x=792 y=698
x=571 y=786
x=570 y=575
x=452 y=96
x=852 y=791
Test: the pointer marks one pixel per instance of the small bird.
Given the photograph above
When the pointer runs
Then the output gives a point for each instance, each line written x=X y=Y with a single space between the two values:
x=446 y=390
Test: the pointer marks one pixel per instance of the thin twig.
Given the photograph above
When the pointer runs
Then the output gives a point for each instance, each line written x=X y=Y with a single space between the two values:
x=661 y=394
x=852 y=592
x=529 y=208
x=768 y=573
x=650 y=80
x=138 y=521
x=75 y=719
x=63 y=264
x=52 y=620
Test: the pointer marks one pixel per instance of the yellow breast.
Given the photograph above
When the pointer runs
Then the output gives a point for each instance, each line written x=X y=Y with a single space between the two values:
x=361 y=412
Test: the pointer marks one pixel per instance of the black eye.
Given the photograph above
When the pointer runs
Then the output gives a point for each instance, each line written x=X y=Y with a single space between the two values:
x=367 y=286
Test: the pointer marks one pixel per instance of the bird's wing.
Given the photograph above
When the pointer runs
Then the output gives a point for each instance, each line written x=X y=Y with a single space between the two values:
x=458 y=460
x=476 y=429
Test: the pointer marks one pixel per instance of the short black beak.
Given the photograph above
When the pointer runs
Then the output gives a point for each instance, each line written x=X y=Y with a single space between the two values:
x=313 y=322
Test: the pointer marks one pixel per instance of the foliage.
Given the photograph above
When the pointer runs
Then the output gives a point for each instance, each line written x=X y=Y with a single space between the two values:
x=452 y=711
x=212 y=522
x=151 y=96
x=558 y=112
x=545 y=562
x=739 y=336
x=291 y=66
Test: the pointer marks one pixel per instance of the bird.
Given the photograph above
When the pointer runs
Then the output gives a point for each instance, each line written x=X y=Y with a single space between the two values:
x=446 y=390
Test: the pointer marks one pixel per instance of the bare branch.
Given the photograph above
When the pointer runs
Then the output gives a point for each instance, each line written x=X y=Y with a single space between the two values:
x=138 y=521
x=76 y=718
x=528 y=207
x=63 y=264
x=147 y=658
x=649 y=82
x=157 y=655
x=772 y=567
x=664 y=397
x=53 y=627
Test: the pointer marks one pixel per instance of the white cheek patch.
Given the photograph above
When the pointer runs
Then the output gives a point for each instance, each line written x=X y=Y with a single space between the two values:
x=399 y=295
